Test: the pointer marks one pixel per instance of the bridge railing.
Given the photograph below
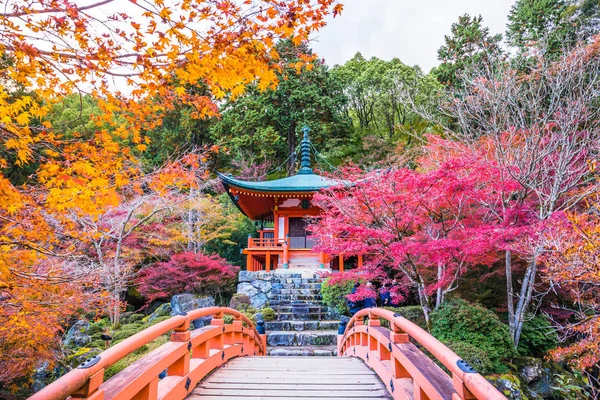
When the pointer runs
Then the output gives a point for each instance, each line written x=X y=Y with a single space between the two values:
x=187 y=358
x=403 y=367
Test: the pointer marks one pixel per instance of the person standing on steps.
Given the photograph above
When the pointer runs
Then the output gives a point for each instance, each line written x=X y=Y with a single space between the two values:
x=354 y=306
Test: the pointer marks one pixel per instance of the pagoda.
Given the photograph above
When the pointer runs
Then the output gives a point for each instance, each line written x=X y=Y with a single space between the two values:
x=281 y=207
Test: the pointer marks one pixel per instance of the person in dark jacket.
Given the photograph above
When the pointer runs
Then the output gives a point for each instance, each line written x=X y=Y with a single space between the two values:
x=370 y=302
x=385 y=295
x=354 y=306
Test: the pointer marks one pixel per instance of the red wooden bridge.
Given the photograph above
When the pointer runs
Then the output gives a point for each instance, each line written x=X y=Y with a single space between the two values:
x=227 y=361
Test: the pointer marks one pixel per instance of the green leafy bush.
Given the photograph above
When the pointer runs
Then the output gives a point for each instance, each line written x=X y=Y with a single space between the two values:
x=334 y=294
x=135 y=318
x=268 y=314
x=411 y=313
x=477 y=357
x=98 y=327
x=458 y=321
x=538 y=337
x=159 y=319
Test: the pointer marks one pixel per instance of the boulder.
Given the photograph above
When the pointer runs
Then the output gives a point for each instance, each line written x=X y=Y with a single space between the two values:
x=39 y=377
x=247 y=289
x=77 y=335
x=529 y=368
x=182 y=303
x=259 y=300
x=542 y=388
x=261 y=285
x=162 y=311
x=509 y=385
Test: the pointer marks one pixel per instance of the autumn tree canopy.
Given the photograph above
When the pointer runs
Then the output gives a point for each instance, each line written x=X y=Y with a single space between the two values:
x=112 y=58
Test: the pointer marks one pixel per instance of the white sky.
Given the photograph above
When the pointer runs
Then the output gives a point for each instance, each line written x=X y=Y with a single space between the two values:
x=407 y=29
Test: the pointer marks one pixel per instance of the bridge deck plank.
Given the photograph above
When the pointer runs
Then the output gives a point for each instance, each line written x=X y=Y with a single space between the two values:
x=298 y=378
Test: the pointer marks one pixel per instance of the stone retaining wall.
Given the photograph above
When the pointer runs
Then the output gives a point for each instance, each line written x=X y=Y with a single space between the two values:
x=257 y=286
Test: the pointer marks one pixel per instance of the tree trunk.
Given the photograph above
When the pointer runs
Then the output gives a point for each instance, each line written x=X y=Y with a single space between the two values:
x=524 y=299
x=510 y=294
x=424 y=302
x=439 y=293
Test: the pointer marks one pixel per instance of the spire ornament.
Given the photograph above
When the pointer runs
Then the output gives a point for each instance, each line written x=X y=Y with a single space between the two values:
x=305 y=150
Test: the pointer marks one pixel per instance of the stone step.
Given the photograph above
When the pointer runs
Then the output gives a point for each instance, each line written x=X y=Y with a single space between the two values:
x=307 y=306
x=279 y=286
x=287 y=301
x=312 y=316
x=298 y=326
x=317 y=351
x=290 y=298
x=297 y=291
x=303 y=338
x=296 y=281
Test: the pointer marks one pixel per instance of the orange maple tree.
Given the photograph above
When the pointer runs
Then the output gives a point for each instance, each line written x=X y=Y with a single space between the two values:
x=122 y=54
x=573 y=264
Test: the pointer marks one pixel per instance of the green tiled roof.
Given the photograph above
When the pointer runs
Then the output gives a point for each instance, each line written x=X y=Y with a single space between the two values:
x=298 y=183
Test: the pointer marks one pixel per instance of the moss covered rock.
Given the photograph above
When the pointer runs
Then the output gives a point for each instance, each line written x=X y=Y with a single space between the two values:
x=509 y=385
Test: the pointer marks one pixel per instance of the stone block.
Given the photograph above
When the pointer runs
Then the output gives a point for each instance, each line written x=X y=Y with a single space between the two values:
x=281 y=338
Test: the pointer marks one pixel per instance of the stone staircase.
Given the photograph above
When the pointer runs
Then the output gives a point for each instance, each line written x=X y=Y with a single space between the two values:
x=304 y=326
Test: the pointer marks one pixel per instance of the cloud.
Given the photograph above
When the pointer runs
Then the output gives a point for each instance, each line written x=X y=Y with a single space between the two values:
x=411 y=31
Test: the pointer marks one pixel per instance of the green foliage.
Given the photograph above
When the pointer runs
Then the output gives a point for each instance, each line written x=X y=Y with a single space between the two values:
x=412 y=313
x=377 y=91
x=538 y=337
x=135 y=318
x=268 y=314
x=267 y=125
x=131 y=358
x=159 y=319
x=98 y=327
x=531 y=21
x=476 y=356
x=458 y=321
x=334 y=296
x=469 y=43
x=570 y=386
x=127 y=331
x=229 y=248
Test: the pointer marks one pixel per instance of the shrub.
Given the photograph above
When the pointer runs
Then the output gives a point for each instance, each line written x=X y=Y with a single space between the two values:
x=334 y=293
x=239 y=301
x=477 y=357
x=98 y=327
x=538 y=337
x=187 y=272
x=412 y=313
x=268 y=314
x=459 y=321
x=159 y=319
x=135 y=318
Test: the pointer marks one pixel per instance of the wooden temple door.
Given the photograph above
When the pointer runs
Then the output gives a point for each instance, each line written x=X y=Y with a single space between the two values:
x=297 y=232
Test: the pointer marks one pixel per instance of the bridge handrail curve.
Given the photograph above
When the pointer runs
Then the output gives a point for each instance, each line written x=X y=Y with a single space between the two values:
x=474 y=382
x=78 y=377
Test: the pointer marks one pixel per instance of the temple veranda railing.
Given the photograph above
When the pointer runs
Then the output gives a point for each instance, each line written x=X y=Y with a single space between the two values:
x=404 y=368
x=188 y=357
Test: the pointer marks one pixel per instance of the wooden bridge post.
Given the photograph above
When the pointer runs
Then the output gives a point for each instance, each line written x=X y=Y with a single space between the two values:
x=181 y=367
